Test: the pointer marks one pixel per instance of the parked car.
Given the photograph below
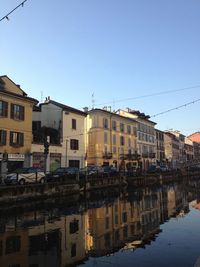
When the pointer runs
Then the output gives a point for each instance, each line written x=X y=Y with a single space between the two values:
x=62 y=173
x=109 y=170
x=25 y=175
x=164 y=168
x=153 y=169
x=93 y=170
x=133 y=171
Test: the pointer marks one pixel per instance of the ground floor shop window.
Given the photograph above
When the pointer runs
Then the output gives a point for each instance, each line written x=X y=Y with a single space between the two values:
x=38 y=160
x=55 y=161
x=74 y=163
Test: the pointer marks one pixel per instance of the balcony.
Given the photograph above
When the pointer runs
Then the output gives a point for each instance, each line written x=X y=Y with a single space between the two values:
x=130 y=156
x=149 y=155
x=107 y=155
x=122 y=156
x=152 y=155
x=145 y=155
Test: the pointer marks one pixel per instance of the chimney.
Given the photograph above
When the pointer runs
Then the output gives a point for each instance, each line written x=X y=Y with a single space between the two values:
x=85 y=109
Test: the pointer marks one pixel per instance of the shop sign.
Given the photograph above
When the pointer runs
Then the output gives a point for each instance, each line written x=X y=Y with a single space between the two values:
x=38 y=160
x=16 y=157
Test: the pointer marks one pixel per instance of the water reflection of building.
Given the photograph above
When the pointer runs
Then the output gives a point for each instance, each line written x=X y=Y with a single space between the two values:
x=61 y=237
x=44 y=240
x=14 y=248
x=178 y=202
x=65 y=237
x=111 y=224
x=121 y=222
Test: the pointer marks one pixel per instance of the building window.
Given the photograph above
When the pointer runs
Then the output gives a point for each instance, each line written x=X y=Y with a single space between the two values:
x=128 y=129
x=121 y=127
x=73 y=124
x=3 y=109
x=16 y=139
x=114 y=125
x=116 y=219
x=114 y=150
x=121 y=140
x=36 y=125
x=135 y=131
x=74 y=144
x=2 y=137
x=116 y=208
x=13 y=244
x=129 y=142
x=73 y=227
x=114 y=139
x=74 y=163
x=105 y=150
x=107 y=240
x=124 y=217
x=17 y=112
x=73 y=250
x=125 y=231
x=105 y=138
x=105 y=123
x=107 y=223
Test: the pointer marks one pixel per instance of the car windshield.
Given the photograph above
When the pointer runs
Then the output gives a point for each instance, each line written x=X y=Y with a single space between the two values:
x=21 y=170
x=60 y=170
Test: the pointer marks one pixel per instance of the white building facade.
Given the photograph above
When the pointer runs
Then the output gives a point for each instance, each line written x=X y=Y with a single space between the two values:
x=65 y=127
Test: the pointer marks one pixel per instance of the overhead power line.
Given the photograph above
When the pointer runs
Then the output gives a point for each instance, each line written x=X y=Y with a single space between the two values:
x=172 y=109
x=149 y=95
x=7 y=15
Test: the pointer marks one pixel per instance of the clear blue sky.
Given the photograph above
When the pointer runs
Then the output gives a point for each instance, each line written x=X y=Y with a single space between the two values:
x=116 y=49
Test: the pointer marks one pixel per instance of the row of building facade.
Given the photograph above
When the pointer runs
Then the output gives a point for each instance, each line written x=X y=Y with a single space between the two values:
x=122 y=138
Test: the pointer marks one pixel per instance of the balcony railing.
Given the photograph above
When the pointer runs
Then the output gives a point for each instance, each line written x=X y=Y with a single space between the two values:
x=130 y=156
x=149 y=155
x=107 y=155
x=152 y=155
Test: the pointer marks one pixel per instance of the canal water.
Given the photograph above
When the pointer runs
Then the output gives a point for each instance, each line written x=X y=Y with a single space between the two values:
x=143 y=227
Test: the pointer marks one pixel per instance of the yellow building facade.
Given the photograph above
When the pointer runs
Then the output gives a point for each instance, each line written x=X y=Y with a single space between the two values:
x=111 y=139
x=15 y=124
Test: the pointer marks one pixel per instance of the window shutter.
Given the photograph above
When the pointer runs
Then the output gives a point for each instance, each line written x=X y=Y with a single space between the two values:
x=6 y=109
x=4 y=137
x=11 y=138
x=21 y=139
x=12 y=111
x=21 y=113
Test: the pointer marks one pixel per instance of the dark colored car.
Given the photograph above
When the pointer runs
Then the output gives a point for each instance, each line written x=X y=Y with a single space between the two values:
x=62 y=174
x=153 y=169
x=110 y=170
x=91 y=171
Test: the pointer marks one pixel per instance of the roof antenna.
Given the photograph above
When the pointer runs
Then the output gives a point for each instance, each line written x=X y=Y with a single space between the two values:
x=113 y=104
x=41 y=96
x=93 y=100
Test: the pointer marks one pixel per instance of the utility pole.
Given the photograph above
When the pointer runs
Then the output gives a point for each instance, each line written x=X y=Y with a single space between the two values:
x=46 y=152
